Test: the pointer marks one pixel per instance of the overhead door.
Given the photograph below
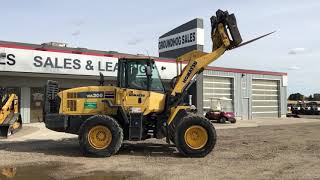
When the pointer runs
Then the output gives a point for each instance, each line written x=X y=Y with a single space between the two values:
x=217 y=89
x=265 y=98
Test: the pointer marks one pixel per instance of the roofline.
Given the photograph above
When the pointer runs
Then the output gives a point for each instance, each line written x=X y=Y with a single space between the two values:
x=84 y=51
x=246 y=71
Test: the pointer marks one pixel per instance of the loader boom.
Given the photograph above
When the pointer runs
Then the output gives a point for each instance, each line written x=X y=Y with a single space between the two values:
x=198 y=61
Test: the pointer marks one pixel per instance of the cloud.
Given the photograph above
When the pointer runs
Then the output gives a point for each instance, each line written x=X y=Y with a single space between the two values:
x=76 y=33
x=135 y=41
x=78 y=22
x=295 y=51
x=294 y=68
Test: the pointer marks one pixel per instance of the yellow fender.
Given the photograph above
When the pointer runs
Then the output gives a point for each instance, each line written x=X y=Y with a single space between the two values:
x=174 y=111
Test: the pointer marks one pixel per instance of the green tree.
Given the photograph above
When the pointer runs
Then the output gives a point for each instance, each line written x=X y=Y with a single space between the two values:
x=296 y=97
x=310 y=98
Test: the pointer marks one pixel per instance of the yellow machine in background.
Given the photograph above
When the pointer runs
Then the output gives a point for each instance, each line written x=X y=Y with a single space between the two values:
x=10 y=119
x=139 y=108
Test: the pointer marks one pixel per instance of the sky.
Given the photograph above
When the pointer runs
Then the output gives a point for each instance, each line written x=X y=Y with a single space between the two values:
x=135 y=26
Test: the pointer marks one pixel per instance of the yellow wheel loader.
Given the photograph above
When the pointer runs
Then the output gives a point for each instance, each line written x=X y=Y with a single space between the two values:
x=139 y=108
x=10 y=119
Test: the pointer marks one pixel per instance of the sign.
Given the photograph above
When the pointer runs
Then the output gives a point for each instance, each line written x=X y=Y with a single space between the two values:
x=90 y=105
x=181 y=40
x=285 y=81
x=35 y=61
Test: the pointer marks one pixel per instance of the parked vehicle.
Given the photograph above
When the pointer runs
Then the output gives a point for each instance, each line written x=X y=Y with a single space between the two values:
x=10 y=118
x=217 y=113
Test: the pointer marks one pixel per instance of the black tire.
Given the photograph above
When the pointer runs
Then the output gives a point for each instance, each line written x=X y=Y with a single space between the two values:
x=233 y=121
x=100 y=120
x=187 y=122
x=222 y=120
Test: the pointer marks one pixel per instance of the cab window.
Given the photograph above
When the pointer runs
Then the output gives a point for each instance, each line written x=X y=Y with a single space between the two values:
x=155 y=82
x=137 y=78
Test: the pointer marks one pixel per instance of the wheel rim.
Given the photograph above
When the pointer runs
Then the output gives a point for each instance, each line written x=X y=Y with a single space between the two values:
x=196 y=137
x=99 y=137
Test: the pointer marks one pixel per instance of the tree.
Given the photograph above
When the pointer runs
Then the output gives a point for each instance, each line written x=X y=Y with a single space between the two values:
x=296 y=97
x=316 y=97
x=310 y=98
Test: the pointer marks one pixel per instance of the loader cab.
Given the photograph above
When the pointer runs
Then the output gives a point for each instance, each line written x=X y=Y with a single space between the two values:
x=140 y=74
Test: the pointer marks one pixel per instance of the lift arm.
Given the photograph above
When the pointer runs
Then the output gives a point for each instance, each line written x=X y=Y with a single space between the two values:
x=225 y=36
x=197 y=62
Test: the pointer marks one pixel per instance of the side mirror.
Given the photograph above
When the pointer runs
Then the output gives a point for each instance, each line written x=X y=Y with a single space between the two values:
x=101 y=81
x=148 y=71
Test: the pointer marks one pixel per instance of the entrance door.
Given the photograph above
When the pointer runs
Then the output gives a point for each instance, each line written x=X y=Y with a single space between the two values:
x=36 y=104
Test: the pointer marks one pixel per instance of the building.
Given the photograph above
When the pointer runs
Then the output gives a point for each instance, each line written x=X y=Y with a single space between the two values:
x=251 y=93
x=25 y=68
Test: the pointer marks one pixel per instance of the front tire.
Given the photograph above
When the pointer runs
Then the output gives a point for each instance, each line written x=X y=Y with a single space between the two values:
x=223 y=120
x=195 y=136
x=100 y=136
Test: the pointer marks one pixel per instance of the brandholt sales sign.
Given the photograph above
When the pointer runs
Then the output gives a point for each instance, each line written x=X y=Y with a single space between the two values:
x=21 y=60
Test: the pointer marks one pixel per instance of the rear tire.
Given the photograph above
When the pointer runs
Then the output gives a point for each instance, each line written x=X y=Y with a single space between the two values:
x=195 y=136
x=233 y=121
x=100 y=136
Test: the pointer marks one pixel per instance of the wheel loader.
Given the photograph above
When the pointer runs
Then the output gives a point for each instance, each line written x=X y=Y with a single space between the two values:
x=10 y=118
x=139 y=108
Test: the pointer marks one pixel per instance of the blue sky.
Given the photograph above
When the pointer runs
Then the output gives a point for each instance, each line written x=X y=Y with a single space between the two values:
x=134 y=27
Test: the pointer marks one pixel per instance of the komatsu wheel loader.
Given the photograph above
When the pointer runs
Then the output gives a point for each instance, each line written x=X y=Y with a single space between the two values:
x=138 y=108
x=10 y=119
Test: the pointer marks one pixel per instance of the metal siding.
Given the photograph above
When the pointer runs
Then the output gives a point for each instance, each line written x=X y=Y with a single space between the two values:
x=240 y=93
x=199 y=94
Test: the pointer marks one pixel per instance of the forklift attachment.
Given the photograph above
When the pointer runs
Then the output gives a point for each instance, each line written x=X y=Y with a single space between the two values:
x=230 y=29
x=230 y=26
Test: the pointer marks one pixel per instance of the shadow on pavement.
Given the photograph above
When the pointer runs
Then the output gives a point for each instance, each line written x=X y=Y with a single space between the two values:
x=65 y=147
x=148 y=149
x=70 y=147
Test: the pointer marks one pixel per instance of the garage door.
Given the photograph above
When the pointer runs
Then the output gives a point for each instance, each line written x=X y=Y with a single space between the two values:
x=265 y=98
x=215 y=88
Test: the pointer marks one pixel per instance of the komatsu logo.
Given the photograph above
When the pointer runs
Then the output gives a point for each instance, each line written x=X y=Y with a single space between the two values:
x=194 y=64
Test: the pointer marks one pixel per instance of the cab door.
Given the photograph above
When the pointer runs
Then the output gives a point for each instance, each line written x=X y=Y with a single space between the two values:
x=134 y=84
x=136 y=98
